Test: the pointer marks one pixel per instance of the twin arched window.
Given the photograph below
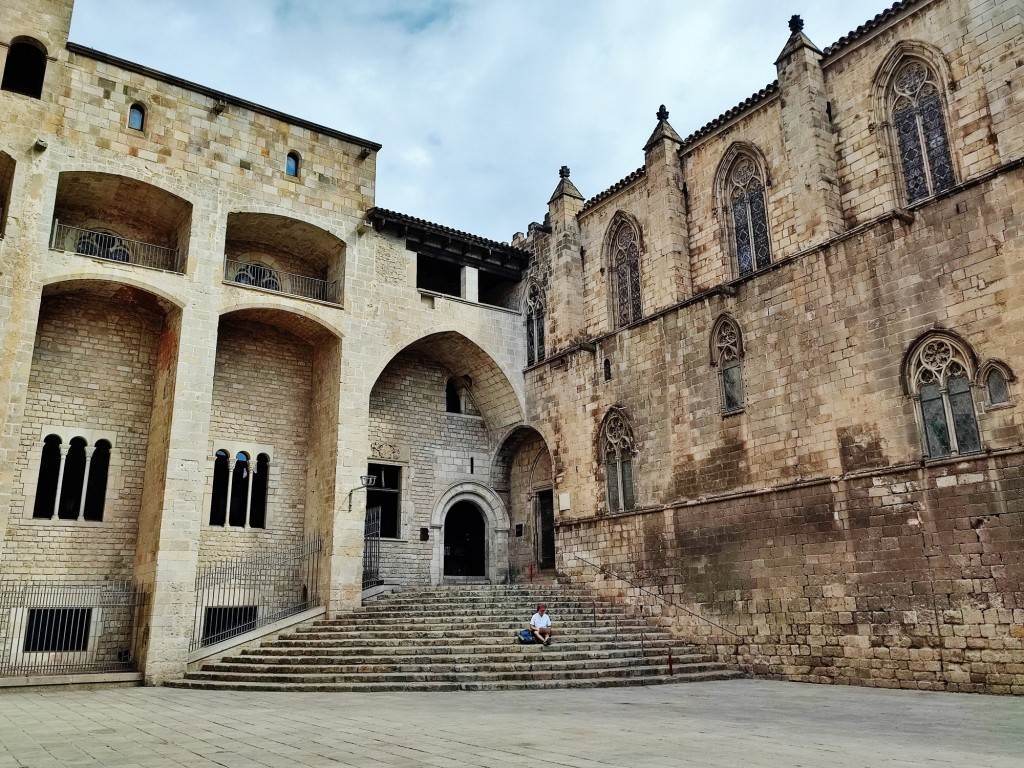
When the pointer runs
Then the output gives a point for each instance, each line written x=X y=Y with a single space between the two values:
x=938 y=372
x=919 y=125
x=625 y=264
x=240 y=488
x=72 y=483
x=727 y=356
x=534 y=325
x=748 y=214
x=618 y=448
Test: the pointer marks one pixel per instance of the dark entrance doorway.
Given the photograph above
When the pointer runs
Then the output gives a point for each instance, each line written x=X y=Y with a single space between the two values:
x=546 y=508
x=464 y=540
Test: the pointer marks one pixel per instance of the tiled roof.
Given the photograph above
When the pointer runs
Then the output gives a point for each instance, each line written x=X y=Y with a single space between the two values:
x=380 y=217
x=638 y=173
x=870 y=25
x=769 y=90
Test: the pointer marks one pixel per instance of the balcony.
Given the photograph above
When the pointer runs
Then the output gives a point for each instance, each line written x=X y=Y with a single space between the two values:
x=255 y=275
x=106 y=245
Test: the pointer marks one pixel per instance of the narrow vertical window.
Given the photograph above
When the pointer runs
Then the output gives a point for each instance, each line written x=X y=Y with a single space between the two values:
x=607 y=369
x=727 y=356
x=919 y=123
x=240 y=485
x=534 y=325
x=221 y=477
x=996 y=387
x=137 y=117
x=6 y=184
x=291 y=164
x=74 y=480
x=25 y=68
x=618 y=449
x=260 y=488
x=49 y=476
x=96 y=486
x=625 y=263
x=749 y=213
x=386 y=493
x=452 y=398
x=939 y=375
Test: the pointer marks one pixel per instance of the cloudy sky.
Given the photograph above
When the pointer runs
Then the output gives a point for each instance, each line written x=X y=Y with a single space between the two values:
x=477 y=102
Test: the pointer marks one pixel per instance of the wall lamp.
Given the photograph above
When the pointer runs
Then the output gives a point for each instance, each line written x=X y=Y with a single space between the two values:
x=365 y=481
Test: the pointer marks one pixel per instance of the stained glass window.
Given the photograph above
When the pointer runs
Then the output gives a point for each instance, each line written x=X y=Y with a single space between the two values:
x=534 y=325
x=626 y=269
x=940 y=376
x=617 y=436
x=749 y=216
x=728 y=351
x=920 y=128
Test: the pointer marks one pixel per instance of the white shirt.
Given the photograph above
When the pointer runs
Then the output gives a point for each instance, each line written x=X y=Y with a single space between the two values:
x=540 y=622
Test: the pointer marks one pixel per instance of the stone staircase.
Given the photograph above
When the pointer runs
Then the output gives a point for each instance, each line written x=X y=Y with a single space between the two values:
x=464 y=638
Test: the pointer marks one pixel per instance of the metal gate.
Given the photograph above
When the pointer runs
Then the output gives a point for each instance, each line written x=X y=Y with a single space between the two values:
x=371 y=549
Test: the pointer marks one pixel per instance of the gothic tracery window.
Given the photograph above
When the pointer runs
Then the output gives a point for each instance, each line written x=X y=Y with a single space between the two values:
x=939 y=376
x=626 y=273
x=919 y=123
x=534 y=325
x=618 y=448
x=727 y=352
x=749 y=213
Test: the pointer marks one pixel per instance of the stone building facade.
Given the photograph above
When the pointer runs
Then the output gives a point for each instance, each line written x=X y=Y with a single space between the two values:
x=769 y=377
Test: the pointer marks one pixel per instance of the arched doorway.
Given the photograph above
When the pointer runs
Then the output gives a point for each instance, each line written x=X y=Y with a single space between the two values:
x=465 y=547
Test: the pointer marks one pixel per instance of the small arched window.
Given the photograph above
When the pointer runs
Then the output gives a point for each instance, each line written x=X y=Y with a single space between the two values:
x=727 y=356
x=617 y=447
x=452 y=398
x=137 y=117
x=260 y=487
x=96 y=488
x=241 y=480
x=607 y=369
x=221 y=473
x=919 y=124
x=291 y=164
x=73 y=482
x=625 y=264
x=745 y=190
x=25 y=68
x=534 y=325
x=49 y=476
x=995 y=376
x=939 y=372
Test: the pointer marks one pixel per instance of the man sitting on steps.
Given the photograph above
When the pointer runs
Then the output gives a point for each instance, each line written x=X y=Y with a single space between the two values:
x=540 y=625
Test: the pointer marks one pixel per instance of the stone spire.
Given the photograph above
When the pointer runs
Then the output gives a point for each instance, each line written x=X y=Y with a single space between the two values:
x=565 y=187
x=797 y=40
x=662 y=130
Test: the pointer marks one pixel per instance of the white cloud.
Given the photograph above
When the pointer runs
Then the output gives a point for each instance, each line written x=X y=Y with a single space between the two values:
x=477 y=102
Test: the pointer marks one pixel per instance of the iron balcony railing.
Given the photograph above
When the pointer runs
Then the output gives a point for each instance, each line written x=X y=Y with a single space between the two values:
x=259 y=276
x=245 y=593
x=104 y=245
x=371 y=549
x=51 y=628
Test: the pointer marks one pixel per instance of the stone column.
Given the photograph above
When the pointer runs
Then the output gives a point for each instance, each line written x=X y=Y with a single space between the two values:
x=470 y=284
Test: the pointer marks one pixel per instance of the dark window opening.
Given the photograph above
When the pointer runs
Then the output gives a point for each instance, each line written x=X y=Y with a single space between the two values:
x=291 y=164
x=607 y=369
x=25 y=69
x=96 y=489
x=452 y=398
x=386 y=493
x=57 y=630
x=6 y=183
x=438 y=276
x=493 y=289
x=49 y=473
x=464 y=540
x=424 y=534
x=240 y=479
x=218 y=505
x=225 y=622
x=74 y=481
x=260 y=487
x=519 y=530
x=471 y=465
x=137 y=117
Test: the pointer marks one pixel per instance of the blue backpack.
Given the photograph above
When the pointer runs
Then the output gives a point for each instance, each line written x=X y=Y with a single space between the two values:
x=526 y=637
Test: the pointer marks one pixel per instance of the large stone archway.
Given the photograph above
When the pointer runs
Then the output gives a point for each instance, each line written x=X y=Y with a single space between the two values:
x=496 y=525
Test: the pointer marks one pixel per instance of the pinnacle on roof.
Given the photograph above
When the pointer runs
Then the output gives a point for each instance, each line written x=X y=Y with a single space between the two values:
x=797 y=39
x=663 y=130
x=565 y=187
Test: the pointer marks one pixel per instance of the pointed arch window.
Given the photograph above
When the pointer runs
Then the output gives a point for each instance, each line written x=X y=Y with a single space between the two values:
x=534 y=325
x=749 y=215
x=939 y=374
x=727 y=356
x=994 y=378
x=919 y=124
x=626 y=273
x=618 y=448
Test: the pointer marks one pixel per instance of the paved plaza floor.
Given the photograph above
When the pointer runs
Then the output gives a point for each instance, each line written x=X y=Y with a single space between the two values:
x=736 y=723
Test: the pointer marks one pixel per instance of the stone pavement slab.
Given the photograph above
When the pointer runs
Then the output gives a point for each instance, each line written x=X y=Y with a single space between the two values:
x=749 y=723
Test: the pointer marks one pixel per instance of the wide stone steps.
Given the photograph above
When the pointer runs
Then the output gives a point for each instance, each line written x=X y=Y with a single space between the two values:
x=464 y=638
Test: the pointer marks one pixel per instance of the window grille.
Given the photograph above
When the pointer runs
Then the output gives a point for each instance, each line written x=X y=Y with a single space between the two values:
x=618 y=448
x=626 y=273
x=918 y=120
x=746 y=190
x=727 y=350
x=940 y=380
x=534 y=325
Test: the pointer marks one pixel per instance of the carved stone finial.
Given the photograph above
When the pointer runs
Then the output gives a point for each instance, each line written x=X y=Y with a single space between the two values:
x=796 y=24
x=563 y=172
x=662 y=113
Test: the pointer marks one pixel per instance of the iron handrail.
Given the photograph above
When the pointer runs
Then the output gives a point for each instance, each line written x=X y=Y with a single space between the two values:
x=110 y=247
x=655 y=595
x=253 y=275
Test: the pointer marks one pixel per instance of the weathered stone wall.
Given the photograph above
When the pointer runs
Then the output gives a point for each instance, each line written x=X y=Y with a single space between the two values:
x=530 y=472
